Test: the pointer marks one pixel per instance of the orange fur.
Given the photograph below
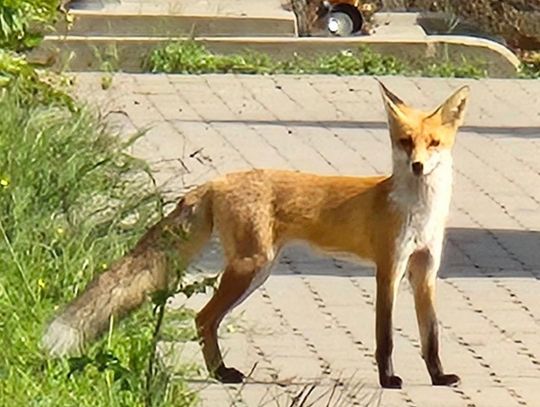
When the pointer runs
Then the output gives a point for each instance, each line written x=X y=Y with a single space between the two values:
x=396 y=222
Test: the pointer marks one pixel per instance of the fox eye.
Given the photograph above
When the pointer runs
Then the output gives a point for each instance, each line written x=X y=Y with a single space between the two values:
x=406 y=143
x=434 y=143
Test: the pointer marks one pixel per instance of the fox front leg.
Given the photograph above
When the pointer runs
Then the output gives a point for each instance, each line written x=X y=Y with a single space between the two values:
x=388 y=278
x=423 y=267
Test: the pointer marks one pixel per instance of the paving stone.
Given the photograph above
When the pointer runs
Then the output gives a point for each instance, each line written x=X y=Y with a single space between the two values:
x=313 y=322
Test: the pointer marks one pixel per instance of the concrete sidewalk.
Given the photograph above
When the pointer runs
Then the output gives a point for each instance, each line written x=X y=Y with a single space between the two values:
x=313 y=321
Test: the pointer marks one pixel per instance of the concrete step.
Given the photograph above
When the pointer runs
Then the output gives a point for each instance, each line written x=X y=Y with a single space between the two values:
x=126 y=24
x=83 y=53
x=255 y=8
x=397 y=25
x=159 y=18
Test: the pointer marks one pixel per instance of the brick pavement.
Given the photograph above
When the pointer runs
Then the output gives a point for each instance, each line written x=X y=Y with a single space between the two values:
x=313 y=321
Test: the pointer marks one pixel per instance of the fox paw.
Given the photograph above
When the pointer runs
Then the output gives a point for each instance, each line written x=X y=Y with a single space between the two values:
x=391 y=382
x=446 y=380
x=229 y=375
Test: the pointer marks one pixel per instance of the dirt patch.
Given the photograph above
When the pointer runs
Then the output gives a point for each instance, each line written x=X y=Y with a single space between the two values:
x=516 y=21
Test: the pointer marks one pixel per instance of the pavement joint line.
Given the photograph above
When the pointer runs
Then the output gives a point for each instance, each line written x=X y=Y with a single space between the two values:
x=252 y=127
x=498 y=283
x=491 y=270
x=272 y=145
x=520 y=160
x=497 y=241
x=323 y=364
x=515 y=299
x=362 y=156
x=516 y=106
x=502 y=174
x=326 y=366
x=369 y=299
x=459 y=391
x=497 y=380
x=490 y=196
x=203 y=120
x=322 y=125
x=481 y=360
x=270 y=366
x=321 y=306
x=180 y=159
x=263 y=355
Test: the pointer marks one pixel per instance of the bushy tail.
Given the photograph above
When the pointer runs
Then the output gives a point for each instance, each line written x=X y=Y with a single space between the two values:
x=129 y=281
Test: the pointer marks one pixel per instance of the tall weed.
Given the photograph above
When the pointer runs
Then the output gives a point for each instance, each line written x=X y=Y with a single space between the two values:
x=21 y=22
x=71 y=201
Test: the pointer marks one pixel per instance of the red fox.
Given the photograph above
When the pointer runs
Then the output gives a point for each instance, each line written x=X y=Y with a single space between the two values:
x=397 y=222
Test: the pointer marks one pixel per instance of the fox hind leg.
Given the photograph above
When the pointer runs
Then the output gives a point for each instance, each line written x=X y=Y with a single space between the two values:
x=242 y=276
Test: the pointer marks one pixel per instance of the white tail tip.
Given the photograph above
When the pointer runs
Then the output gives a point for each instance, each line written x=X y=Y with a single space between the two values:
x=62 y=339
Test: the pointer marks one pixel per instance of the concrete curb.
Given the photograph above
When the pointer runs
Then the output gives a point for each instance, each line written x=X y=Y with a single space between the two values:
x=87 y=53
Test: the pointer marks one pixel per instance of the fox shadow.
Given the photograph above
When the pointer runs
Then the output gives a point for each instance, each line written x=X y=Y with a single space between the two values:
x=489 y=253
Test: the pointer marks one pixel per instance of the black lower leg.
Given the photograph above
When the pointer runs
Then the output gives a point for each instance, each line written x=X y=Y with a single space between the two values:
x=433 y=362
x=228 y=374
x=385 y=344
x=387 y=378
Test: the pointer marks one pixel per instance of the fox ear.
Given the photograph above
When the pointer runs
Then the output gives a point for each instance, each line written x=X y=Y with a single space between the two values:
x=392 y=104
x=452 y=111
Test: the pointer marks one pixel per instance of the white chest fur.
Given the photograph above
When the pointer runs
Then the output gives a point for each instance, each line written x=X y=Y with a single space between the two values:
x=424 y=202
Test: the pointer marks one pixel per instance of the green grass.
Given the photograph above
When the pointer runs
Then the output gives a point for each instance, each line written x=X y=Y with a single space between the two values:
x=71 y=201
x=22 y=20
x=189 y=57
x=530 y=67
x=32 y=87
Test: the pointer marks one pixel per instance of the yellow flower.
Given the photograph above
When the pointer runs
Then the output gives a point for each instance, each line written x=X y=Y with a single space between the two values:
x=104 y=266
x=60 y=231
x=41 y=283
x=4 y=182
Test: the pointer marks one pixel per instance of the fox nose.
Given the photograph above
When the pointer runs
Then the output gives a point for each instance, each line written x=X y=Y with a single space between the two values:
x=417 y=168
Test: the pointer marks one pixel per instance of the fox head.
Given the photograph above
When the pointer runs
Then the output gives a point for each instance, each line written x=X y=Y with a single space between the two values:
x=421 y=141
